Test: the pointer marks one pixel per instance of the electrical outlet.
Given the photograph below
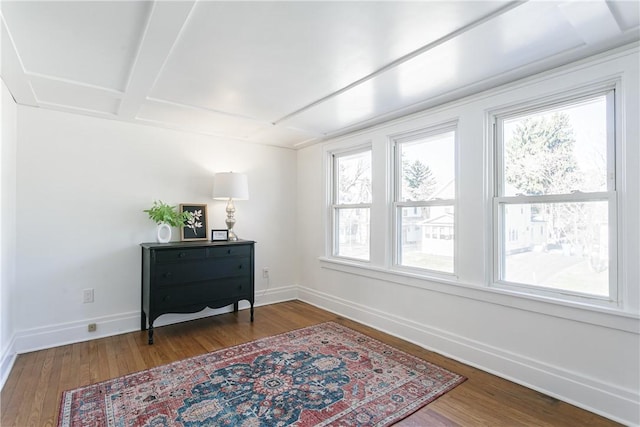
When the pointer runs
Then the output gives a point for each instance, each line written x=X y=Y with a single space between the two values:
x=92 y=327
x=87 y=296
x=265 y=273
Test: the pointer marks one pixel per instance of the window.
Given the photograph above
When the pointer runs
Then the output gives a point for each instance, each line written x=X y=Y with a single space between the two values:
x=555 y=200
x=424 y=199
x=351 y=204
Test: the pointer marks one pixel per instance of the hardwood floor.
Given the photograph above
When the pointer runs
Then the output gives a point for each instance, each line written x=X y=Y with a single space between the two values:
x=32 y=392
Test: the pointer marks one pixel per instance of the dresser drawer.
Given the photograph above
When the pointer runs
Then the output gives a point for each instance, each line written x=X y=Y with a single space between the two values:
x=204 y=293
x=176 y=255
x=197 y=271
x=231 y=250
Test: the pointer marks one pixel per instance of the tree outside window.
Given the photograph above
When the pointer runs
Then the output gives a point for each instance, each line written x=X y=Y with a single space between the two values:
x=352 y=204
x=554 y=197
x=425 y=198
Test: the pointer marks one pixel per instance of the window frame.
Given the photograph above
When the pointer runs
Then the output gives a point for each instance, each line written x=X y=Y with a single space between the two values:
x=396 y=205
x=498 y=199
x=334 y=206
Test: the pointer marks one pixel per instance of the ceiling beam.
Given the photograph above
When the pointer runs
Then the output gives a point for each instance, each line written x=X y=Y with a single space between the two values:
x=166 y=21
x=13 y=72
x=592 y=20
x=407 y=57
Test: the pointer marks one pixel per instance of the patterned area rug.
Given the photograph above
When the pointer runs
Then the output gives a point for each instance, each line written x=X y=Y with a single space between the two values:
x=317 y=376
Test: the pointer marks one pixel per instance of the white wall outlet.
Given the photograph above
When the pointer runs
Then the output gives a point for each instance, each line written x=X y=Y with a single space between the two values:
x=87 y=296
x=265 y=273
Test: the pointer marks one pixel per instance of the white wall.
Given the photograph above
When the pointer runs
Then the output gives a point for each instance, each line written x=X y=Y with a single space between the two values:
x=8 y=138
x=587 y=357
x=82 y=184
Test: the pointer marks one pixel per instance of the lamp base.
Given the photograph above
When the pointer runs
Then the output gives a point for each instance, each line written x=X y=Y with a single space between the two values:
x=231 y=220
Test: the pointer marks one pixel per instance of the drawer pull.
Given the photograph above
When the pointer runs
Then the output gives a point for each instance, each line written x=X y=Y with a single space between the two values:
x=228 y=251
x=166 y=298
x=182 y=255
x=167 y=275
x=240 y=267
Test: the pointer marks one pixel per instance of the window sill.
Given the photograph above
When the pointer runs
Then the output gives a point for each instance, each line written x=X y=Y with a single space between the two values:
x=595 y=315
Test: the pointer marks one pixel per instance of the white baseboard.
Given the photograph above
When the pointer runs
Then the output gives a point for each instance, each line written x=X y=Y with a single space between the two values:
x=276 y=295
x=73 y=332
x=610 y=401
x=7 y=359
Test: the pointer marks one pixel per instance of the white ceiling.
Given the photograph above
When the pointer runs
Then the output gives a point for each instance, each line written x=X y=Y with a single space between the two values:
x=288 y=73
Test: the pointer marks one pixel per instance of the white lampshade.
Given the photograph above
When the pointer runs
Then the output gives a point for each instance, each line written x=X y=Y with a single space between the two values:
x=230 y=185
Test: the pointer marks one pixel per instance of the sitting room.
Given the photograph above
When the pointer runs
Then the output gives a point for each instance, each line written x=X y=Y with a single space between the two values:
x=419 y=213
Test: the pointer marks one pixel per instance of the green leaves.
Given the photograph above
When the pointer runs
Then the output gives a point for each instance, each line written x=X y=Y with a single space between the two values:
x=161 y=212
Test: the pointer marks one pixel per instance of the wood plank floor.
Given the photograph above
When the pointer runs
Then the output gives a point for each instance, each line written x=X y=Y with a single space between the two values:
x=32 y=392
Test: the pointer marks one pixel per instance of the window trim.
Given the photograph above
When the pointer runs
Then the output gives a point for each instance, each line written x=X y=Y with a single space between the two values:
x=334 y=206
x=395 y=206
x=496 y=198
x=579 y=311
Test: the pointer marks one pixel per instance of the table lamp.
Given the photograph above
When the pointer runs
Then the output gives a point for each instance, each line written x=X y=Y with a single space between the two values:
x=230 y=186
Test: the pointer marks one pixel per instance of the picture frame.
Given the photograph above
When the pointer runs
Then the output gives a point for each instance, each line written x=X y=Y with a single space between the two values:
x=196 y=228
x=219 y=235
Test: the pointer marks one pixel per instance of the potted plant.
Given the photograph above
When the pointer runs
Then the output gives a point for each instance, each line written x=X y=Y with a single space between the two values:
x=166 y=216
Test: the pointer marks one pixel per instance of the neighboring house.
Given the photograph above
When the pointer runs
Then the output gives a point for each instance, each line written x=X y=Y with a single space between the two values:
x=438 y=232
x=421 y=226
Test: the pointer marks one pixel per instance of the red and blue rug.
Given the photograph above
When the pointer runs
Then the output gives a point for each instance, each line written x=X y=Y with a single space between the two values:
x=323 y=375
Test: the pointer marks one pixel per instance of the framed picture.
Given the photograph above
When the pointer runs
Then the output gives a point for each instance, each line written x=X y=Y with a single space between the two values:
x=217 y=235
x=196 y=227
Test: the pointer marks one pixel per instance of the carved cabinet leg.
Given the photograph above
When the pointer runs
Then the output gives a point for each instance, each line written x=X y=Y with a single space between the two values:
x=150 y=334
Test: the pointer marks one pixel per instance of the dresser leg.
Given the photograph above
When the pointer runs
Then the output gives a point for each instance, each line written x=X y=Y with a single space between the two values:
x=143 y=321
x=150 y=334
x=235 y=307
x=252 y=312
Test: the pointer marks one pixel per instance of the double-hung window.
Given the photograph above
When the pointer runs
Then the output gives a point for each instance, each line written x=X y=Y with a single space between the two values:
x=351 y=204
x=424 y=202
x=555 y=201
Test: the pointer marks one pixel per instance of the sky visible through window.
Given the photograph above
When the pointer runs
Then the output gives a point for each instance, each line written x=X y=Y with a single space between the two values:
x=436 y=152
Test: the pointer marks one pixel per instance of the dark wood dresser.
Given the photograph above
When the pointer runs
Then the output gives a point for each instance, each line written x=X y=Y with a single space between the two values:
x=186 y=277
